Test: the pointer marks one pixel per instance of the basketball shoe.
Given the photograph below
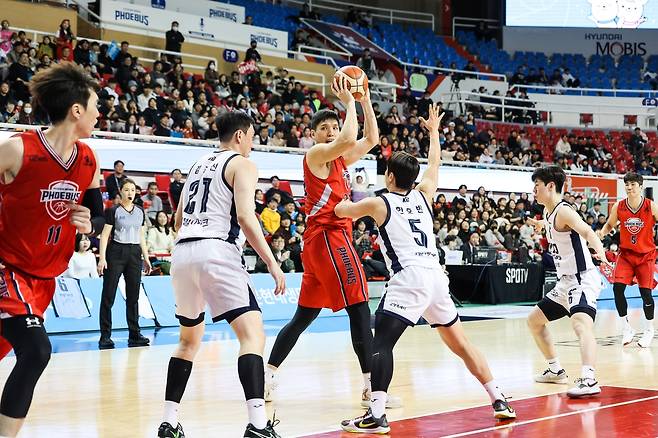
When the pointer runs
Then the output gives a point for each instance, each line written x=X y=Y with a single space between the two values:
x=627 y=334
x=267 y=432
x=392 y=402
x=366 y=423
x=549 y=376
x=503 y=410
x=585 y=387
x=647 y=337
x=166 y=430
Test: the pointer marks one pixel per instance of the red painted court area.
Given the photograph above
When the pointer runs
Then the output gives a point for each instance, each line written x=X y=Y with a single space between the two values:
x=617 y=412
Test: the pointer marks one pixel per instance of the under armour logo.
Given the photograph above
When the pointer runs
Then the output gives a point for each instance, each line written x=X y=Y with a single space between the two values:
x=33 y=322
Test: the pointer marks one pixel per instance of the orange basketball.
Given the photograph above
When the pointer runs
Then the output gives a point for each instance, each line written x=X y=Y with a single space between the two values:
x=356 y=80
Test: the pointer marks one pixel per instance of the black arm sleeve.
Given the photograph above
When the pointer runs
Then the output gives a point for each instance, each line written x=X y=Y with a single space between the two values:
x=93 y=200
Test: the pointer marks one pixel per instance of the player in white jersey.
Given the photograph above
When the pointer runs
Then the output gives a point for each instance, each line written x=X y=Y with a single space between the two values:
x=578 y=286
x=215 y=213
x=418 y=285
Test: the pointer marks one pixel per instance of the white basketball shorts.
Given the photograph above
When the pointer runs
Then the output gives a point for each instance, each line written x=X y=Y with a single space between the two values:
x=419 y=291
x=572 y=294
x=210 y=271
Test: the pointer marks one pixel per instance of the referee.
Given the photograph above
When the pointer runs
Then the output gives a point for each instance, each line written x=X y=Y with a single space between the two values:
x=122 y=247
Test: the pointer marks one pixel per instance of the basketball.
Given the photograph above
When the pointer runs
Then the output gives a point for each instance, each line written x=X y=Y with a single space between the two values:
x=356 y=79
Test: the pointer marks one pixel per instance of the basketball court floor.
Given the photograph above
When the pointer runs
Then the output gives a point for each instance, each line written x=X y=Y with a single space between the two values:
x=118 y=393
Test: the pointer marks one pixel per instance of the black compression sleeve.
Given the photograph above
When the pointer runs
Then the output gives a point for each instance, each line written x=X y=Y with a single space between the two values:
x=93 y=200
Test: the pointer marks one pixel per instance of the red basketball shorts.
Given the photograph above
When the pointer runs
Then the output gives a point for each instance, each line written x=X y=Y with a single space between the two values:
x=333 y=274
x=21 y=294
x=636 y=265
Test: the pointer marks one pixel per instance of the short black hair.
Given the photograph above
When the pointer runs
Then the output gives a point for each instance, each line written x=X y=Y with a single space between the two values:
x=58 y=88
x=322 y=116
x=117 y=162
x=273 y=177
x=631 y=177
x=548 y=174
x=174 y=171
x=405 y=169
x=152 y=183
x=230 y=122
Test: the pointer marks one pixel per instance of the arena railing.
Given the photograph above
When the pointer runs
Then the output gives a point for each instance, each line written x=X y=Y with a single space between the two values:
x=471 y=23
x=545 y=107
x=322 y=84
x=448 y=71
x=583 y=90
x=384 y=14
x=156 y=52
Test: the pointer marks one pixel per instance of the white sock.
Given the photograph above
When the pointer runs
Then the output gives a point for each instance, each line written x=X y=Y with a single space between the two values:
x=587 y=372
x=378 y=403
x=494 y=391
x=171 y=413
x=366 y=380
x=554 y=365
x=257 y=413
x=625 y=321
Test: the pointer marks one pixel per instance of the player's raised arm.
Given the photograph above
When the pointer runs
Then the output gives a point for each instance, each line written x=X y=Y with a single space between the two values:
x=346 y=138
x=370 y=133
x=244 y=185
x=611 y=223
x=430 y=180
x=569 y=217
x=373 y=207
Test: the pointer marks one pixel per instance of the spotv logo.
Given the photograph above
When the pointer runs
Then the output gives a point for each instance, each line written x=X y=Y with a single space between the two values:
x=619 y=49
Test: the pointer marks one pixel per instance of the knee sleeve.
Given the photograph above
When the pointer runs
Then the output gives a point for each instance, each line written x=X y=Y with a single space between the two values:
x=32 y=347
x=387 y=333
x=362 y=338
x=287 y=337
x=648 y=304
x=620 y=299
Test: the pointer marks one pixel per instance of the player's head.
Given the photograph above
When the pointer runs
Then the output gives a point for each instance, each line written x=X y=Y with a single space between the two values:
x=236 y=131
x=401 y=171
x=68 y=95
x=127 y=190
x=325 y=126
x=633 y=184
x=548 y=180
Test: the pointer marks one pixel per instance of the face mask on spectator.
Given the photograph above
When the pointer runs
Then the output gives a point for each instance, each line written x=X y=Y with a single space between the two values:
x=27 y=110
x=213 y=67
x=174 y=28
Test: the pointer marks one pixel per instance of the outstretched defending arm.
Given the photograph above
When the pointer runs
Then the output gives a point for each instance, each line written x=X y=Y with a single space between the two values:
x=346 y=139
x=373 y=207
x=430 y=179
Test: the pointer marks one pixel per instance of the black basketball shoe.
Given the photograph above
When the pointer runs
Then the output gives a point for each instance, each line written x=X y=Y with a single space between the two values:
x=267 y=432
x=166 y=430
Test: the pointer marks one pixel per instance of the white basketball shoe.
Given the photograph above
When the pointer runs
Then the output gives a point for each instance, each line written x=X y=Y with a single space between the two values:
x=549 y=376
x=647 y=338
x=585 y=387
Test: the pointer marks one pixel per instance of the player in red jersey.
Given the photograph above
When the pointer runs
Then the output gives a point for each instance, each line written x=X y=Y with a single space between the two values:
x=333 y=275
x=637 y=217
x=44 y=177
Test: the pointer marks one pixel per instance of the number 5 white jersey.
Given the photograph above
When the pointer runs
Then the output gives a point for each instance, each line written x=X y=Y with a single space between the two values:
x=407 y=235
x=207 y=201
x=568 y=248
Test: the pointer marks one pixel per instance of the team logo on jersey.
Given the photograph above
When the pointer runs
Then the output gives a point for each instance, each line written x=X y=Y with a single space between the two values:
x=634 y=225
x=57 y=195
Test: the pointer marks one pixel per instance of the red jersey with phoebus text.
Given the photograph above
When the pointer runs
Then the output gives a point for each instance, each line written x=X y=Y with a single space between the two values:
x=322 y=196
x=36 y=236
x=636 y=227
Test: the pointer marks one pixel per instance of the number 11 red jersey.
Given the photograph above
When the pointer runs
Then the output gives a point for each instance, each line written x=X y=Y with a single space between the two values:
x=36 y=236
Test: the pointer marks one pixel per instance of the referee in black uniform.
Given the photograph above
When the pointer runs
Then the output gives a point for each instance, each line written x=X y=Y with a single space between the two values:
x=123 y=251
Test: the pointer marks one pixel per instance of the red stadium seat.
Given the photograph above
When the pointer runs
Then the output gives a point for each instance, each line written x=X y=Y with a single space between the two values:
x=285 y=186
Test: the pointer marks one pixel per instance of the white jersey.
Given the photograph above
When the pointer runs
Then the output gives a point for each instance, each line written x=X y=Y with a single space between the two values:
x=407 y=235
x=568 y=248
x=208 y=203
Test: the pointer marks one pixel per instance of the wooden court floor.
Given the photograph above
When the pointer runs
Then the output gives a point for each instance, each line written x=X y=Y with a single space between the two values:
x=118 y=393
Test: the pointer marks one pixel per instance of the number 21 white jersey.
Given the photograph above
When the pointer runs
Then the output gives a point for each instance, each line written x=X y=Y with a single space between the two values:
x=207 y=201
x=407 y=235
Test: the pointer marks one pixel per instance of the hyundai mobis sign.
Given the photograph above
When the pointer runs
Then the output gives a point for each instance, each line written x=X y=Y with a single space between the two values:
x=587 y=42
